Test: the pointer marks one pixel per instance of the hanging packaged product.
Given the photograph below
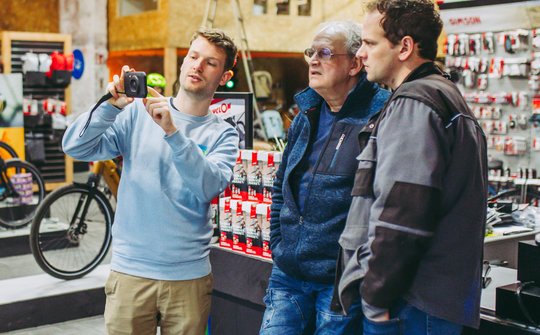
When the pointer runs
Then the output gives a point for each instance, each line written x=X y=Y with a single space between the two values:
x=488 y=42
x=515 y=146
x=59 y=73
x=34 y=67
x=535 y=145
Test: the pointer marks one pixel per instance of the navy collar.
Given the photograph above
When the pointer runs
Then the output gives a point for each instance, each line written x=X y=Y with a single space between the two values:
x=361 y=94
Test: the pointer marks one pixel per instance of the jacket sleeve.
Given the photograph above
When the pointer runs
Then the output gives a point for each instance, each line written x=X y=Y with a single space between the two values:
x=412 y=151
x=105 y=136
x=277 y=190
x=208 y=174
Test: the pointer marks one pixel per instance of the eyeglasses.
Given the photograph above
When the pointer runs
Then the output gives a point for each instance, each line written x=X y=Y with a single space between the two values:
x=322 y=53
x=486 y=268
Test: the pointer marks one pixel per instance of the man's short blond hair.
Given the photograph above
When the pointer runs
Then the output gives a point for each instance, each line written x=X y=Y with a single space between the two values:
x=218 y=38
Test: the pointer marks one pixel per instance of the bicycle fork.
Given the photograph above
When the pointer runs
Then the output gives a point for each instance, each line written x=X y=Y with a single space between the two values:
x=78 y=228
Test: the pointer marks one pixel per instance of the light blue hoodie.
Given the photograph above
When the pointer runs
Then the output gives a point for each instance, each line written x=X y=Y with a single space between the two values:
x=161 y=228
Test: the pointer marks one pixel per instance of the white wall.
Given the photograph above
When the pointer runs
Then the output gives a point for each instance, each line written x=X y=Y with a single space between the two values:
x=86 y=21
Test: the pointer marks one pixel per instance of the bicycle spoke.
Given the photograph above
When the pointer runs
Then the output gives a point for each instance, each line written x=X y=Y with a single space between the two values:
x=71 y=241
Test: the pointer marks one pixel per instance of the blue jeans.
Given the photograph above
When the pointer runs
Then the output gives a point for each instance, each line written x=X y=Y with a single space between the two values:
x=296 y=307
x=406 y=319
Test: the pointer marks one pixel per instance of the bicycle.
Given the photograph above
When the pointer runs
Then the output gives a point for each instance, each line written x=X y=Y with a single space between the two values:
x=71 y=231
x=22 y=189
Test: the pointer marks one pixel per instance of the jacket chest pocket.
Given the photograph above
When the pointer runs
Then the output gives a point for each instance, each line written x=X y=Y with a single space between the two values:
x=339 y=155
x=365 y=173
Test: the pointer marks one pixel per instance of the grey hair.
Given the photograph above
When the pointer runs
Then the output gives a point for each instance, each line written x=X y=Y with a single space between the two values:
x=350 y=30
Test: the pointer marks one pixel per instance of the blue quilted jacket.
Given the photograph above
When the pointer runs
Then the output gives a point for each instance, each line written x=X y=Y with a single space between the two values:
x=305 y=245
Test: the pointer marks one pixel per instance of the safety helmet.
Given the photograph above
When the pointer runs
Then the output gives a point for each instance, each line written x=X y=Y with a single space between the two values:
x=155 y=80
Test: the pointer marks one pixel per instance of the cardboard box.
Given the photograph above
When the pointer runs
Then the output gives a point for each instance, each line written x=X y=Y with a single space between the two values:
x=264 y=218
x=238 y=226
x=254 y=175
x=253 y=228
x=225 y=223
x=270 y=161
x=213 y=214
x=239 y=182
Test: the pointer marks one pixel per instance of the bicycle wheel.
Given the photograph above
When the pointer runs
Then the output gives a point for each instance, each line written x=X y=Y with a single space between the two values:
x=70 y=234
x=21 y=192
x=6 y=151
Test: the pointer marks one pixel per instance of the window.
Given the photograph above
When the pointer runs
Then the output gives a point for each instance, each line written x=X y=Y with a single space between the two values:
x=132 y=7
x=304 y=7
x=282 y=7
x=260 y=7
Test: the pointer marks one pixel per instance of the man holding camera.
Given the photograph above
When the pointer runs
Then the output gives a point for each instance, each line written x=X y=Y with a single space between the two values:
x=177 y=157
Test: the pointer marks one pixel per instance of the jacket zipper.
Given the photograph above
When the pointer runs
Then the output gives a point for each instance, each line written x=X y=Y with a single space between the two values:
x=334 y=158
x=319 y=161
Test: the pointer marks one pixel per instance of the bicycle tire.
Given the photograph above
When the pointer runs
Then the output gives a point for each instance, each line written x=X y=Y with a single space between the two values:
x=7 y=151
x=55 y=245
x=14 y=213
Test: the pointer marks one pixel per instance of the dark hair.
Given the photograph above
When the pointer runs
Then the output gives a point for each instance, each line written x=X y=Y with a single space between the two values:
x=416 y=18
x=218 y=38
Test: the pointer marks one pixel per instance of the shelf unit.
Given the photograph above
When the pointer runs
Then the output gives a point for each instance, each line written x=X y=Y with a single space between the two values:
x=57 y=170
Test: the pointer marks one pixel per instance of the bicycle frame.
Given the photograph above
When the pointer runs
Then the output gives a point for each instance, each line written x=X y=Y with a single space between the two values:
x=108 y=170
x=6 y=182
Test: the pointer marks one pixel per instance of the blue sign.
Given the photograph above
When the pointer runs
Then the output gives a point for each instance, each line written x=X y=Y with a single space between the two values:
x=78 y=64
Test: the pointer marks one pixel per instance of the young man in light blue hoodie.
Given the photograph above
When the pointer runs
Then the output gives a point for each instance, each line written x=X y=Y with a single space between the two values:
x=177 y=157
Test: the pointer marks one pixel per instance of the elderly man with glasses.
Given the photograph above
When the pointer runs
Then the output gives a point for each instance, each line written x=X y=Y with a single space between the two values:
x=312 y=191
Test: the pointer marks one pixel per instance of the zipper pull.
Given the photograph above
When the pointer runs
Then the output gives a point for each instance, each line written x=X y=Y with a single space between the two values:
x=301 y=221
x=340 y=141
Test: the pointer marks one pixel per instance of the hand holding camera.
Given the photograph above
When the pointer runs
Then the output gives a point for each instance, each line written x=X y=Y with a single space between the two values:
x=126 y=87
x=130 y=85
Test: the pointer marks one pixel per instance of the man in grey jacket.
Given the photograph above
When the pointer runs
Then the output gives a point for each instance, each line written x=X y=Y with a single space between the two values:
x=413 y=241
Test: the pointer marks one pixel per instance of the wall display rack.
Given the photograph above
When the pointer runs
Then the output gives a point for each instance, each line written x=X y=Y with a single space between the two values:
x=55 y=167
x=493 y=52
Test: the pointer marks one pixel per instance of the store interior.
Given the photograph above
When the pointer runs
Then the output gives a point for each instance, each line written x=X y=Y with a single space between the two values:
x=57 y=57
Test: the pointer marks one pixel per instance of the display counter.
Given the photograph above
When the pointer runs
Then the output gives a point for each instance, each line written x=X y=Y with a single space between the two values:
x=240 y=283
x=490 y=323
x=505 y=247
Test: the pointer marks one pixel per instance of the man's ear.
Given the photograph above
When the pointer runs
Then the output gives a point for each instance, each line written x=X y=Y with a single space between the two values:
x=408 y=47
x=225 y=77
x=356 y=66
